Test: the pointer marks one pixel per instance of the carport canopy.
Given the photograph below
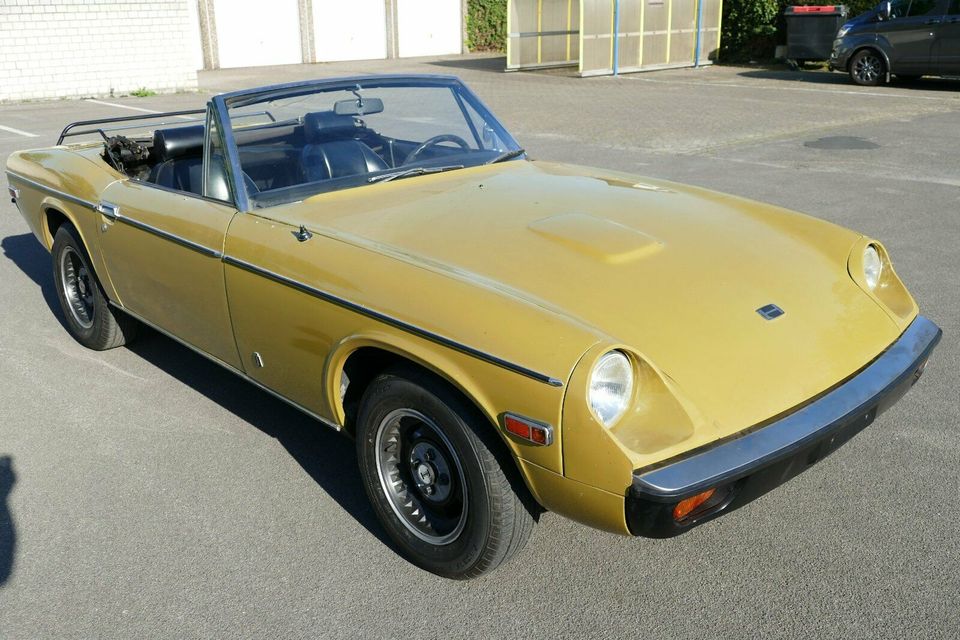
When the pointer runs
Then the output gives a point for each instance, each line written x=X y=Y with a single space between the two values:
x=602 y=37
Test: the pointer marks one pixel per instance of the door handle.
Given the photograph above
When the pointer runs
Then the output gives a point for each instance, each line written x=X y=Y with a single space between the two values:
x=933 y=21
x=953 y=20
x=108 y=209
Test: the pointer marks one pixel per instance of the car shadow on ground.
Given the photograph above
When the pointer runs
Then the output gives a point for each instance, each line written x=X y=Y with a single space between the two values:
x=8 y=533
x=324 y=455
x=826 y=78
x=28 y=254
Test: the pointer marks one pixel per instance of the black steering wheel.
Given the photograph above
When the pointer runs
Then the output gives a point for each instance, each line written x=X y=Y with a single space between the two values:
x=434 y=141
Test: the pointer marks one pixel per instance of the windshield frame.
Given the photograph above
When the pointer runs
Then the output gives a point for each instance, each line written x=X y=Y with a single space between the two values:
x=222 y=104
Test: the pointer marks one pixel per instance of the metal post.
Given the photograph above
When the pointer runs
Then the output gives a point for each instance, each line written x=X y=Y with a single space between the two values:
x=393 y=46
x=308 y=51
x=616 y=36
x=208 y=34
x=696 y=54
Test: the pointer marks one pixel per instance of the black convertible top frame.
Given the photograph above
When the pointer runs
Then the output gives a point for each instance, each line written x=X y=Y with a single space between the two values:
x=68 y=130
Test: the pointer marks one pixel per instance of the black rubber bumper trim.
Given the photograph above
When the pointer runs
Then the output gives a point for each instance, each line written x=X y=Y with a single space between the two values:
x=745 y=468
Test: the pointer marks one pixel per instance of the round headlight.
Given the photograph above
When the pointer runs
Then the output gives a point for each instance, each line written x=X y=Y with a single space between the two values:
x=611 y=387
x=872 y=266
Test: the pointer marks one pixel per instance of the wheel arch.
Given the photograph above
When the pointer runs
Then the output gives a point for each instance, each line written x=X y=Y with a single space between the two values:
x=363 y=358
x=356 y=361
x=873 y=46
x=53 y=219
x=53 y=215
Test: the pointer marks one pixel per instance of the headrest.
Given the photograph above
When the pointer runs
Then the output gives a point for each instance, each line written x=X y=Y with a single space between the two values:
x=326 y=125
x=178 y=142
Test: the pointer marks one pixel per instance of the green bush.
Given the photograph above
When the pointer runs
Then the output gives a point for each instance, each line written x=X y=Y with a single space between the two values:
x=486 y=25
x=748 y=29
x=751 y=29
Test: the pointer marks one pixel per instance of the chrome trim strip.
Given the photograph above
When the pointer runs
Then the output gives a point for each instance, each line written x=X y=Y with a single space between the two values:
x=52 y=191
x=399 y=324
x=231 y=369
x=741 y=456
x=166 y=235
x=112 y=212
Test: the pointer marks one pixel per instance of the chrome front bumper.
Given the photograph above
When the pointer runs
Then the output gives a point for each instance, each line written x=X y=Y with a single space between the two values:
x=748 y=465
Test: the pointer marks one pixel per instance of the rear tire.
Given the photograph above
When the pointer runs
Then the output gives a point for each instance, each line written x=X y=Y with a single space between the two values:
x=439 y=479
x=867 y=68
x=89 y=318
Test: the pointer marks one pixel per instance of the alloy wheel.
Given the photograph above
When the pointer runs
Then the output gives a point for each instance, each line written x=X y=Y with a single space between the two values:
x=868 y=68
x=78 y=287
x=421 y=476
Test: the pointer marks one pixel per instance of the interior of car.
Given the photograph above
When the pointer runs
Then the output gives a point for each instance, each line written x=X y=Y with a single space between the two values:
x=320 y=146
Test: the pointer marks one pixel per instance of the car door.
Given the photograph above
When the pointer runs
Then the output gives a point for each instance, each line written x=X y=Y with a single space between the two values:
x=910 y=33
x=163 y=248
x=946 y=51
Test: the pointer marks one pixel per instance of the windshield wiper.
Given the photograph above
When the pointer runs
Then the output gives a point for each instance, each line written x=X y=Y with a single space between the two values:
x=506 y=155
x=414 y=171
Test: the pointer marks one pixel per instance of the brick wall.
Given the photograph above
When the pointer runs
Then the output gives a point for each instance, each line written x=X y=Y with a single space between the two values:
x=75 y=48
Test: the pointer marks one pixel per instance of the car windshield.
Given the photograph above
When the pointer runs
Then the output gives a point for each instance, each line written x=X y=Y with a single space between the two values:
x=299 y=141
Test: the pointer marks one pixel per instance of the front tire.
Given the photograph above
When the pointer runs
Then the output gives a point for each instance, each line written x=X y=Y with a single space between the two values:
x=439 y=479
x=89 y=318
x=867 y=68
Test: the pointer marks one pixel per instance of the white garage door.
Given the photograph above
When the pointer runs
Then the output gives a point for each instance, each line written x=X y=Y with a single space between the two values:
x=353 y=30
x=428 y=27
x=251 y=33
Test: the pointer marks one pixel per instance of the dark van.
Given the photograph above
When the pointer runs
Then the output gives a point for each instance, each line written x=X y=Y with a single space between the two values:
x=905 y=38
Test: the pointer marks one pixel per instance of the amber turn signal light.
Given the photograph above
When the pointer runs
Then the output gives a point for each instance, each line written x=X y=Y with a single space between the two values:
x=527 y=429
x=684 y=507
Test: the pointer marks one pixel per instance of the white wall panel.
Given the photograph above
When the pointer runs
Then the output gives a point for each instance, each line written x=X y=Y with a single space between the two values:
x=254 y=33
x=75 y=48
x=428 y=27
x=354 y=30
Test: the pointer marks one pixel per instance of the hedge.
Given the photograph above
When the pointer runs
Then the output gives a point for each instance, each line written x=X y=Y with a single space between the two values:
x=486 y=25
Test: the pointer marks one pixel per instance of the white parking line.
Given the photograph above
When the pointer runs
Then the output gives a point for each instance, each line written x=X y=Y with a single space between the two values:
x=121 y=106
x=26 y=134
x=126 y=106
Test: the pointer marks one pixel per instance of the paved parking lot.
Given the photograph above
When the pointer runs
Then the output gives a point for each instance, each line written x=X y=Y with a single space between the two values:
x=148 y=493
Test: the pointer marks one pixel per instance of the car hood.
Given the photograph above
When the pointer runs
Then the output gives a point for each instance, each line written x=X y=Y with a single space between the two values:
x=673 y=272
x=862 y=19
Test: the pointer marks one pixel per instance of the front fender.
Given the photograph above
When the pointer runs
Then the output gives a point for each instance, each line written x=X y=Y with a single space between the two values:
x=492 y=390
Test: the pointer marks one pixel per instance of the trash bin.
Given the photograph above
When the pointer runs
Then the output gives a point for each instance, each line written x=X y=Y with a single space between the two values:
x=811 y=30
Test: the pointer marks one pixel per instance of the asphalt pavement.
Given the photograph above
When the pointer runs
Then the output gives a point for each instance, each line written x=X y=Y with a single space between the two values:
x=144 y=492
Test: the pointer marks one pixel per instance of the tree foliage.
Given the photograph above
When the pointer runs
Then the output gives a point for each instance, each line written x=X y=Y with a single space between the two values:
x=486 y=25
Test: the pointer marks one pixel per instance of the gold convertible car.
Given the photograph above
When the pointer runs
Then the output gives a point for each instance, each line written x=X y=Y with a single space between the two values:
x=500 y=336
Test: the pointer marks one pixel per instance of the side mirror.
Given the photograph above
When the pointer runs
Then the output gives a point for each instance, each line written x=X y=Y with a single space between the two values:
x=885 y=10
